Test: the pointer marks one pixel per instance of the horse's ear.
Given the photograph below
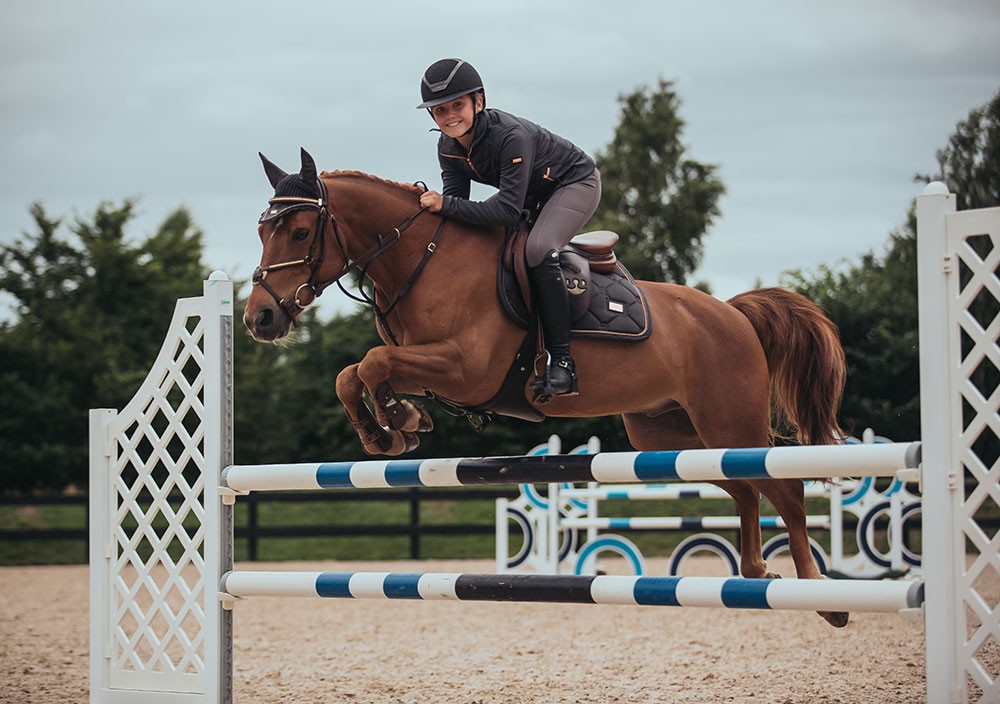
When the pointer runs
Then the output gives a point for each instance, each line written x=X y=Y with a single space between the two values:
x=274 y=173
x=308 y=170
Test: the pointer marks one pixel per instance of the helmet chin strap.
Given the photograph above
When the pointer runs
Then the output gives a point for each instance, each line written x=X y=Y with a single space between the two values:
x=475 y=119
x=475 y=115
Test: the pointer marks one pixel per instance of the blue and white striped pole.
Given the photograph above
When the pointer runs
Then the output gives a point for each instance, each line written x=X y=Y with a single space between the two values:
x=707 y=523
x=669 y=492
x=722 y=592
x=802 y=462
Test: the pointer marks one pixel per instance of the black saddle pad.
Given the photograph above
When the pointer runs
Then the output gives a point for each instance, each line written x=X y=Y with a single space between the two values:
x=617 y=308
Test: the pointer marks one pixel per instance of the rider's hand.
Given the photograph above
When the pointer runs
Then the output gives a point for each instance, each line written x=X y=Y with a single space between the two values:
x=431 y=200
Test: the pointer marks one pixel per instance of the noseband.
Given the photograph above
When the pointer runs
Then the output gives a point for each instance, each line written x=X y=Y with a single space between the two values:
x=313 y=288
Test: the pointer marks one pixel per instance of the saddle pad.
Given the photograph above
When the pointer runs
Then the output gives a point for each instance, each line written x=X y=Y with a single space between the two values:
x=618 y=309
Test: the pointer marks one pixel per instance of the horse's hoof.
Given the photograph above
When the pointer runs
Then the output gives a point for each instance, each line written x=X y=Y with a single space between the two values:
x=411 y=441
x=419 y=420
x=426 y=423
x=837 y=619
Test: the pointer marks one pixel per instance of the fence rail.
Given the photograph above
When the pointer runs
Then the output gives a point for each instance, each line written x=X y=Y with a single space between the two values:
x=252 y=531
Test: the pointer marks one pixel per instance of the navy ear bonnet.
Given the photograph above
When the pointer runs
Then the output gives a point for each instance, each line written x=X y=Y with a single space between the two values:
x=292 y=191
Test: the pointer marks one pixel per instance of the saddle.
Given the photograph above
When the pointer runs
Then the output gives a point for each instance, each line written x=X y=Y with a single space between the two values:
x=605 y=302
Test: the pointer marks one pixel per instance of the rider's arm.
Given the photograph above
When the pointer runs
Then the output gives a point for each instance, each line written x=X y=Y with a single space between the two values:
x=516 y=155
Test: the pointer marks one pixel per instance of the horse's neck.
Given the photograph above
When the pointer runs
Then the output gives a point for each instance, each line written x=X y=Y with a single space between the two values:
x=367 y=211
x=367 y=206
x=371 y=208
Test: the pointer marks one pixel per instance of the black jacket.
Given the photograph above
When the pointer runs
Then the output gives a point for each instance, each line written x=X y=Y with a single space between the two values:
x=524 y=161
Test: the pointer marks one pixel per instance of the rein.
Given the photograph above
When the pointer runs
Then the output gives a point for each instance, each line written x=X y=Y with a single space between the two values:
x=313 y=288
x=364 y=298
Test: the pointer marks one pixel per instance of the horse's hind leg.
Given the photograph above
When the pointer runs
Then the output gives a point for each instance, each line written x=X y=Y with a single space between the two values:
x=673 y=430
x=788 y=497
x=747 y=498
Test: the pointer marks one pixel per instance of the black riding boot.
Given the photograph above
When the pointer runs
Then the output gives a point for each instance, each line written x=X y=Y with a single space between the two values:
x=552 y=304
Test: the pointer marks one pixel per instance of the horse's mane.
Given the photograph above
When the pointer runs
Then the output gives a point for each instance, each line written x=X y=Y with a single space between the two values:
x=375 y=179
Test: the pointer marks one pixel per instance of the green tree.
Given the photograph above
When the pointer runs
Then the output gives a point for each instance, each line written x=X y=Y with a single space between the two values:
x=286 y=401
x=874 y=301
x=659 y=201
x=89 y=319
x=970 y=163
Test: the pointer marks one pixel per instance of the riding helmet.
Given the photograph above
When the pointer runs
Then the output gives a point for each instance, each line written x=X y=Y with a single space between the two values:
x=446 y=80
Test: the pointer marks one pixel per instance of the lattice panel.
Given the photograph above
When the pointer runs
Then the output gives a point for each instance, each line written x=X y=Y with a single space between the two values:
x=977 y=311
x=159 y=591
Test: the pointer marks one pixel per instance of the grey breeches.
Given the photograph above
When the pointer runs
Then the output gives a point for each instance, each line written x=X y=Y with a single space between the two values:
x=566 y=212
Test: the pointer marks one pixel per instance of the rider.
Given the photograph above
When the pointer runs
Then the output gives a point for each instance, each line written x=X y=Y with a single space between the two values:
x=535 y=171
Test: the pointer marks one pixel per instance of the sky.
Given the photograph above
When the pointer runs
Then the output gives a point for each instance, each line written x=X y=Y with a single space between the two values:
x=817 y=115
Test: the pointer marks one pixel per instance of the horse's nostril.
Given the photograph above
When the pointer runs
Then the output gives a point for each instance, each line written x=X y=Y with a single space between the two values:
x=265 y=318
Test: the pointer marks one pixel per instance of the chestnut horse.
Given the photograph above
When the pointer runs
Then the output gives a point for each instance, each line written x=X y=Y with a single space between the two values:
x=710 y=375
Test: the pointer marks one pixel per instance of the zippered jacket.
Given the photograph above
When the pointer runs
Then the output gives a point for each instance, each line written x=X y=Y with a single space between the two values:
x=526 y=162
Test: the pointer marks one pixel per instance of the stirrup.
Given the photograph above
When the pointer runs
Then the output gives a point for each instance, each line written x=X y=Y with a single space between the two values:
x=559 y=379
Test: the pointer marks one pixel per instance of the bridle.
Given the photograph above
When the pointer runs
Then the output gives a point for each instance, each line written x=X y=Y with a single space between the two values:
x=313 y=288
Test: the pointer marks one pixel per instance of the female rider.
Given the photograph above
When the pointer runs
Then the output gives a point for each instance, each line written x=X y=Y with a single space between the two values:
x=534 y=170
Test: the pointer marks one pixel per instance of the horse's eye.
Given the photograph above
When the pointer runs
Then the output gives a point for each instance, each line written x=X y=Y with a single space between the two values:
x=300 y=234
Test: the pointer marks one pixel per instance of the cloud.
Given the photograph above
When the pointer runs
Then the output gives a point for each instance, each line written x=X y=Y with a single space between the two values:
x=817 y=115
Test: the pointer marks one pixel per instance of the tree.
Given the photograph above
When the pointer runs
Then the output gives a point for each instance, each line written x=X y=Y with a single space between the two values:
x=658 y=200
x=874 y=302
x=89 y=319
x=970 y=163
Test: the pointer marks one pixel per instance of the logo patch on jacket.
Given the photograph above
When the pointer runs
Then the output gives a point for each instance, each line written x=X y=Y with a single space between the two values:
x=518 y=160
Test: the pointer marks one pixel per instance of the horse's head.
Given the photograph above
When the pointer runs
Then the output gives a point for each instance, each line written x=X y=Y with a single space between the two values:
x=295 y=265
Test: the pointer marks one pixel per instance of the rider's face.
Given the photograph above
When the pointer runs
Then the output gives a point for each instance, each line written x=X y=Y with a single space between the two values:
x=455 y=117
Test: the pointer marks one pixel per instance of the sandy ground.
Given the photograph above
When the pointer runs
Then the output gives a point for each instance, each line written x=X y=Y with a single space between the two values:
x=302 y=650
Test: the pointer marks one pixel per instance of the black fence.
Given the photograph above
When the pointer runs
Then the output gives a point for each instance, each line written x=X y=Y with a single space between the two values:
x=36 y=534
x=414 y=528
x=252 y=531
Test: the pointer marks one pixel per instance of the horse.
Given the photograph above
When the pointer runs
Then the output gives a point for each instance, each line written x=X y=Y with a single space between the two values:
x=765 y=364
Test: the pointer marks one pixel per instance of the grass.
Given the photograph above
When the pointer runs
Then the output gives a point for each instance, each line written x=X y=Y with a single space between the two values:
x=438 y=512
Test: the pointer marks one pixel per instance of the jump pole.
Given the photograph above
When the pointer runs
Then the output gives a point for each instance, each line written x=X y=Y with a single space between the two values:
x=717 y=592
x=808 y=462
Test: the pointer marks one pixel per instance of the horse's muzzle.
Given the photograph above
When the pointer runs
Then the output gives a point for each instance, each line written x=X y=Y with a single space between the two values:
x=267 y=324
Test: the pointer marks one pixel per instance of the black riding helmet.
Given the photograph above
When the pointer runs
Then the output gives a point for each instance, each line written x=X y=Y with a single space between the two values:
x=448 y=79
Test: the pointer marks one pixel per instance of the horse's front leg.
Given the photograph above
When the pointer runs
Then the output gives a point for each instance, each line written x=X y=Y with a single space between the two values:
x=400 y=414
x=375 y=439
x=410 y=369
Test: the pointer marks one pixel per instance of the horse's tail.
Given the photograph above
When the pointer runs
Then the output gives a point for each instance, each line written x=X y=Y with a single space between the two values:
x=805 y=361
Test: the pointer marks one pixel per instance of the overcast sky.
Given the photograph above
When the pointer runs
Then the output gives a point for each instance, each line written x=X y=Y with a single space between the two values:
x=817 y=114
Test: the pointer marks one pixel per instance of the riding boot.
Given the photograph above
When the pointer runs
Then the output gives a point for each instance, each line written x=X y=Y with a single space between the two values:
x=552 y=304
